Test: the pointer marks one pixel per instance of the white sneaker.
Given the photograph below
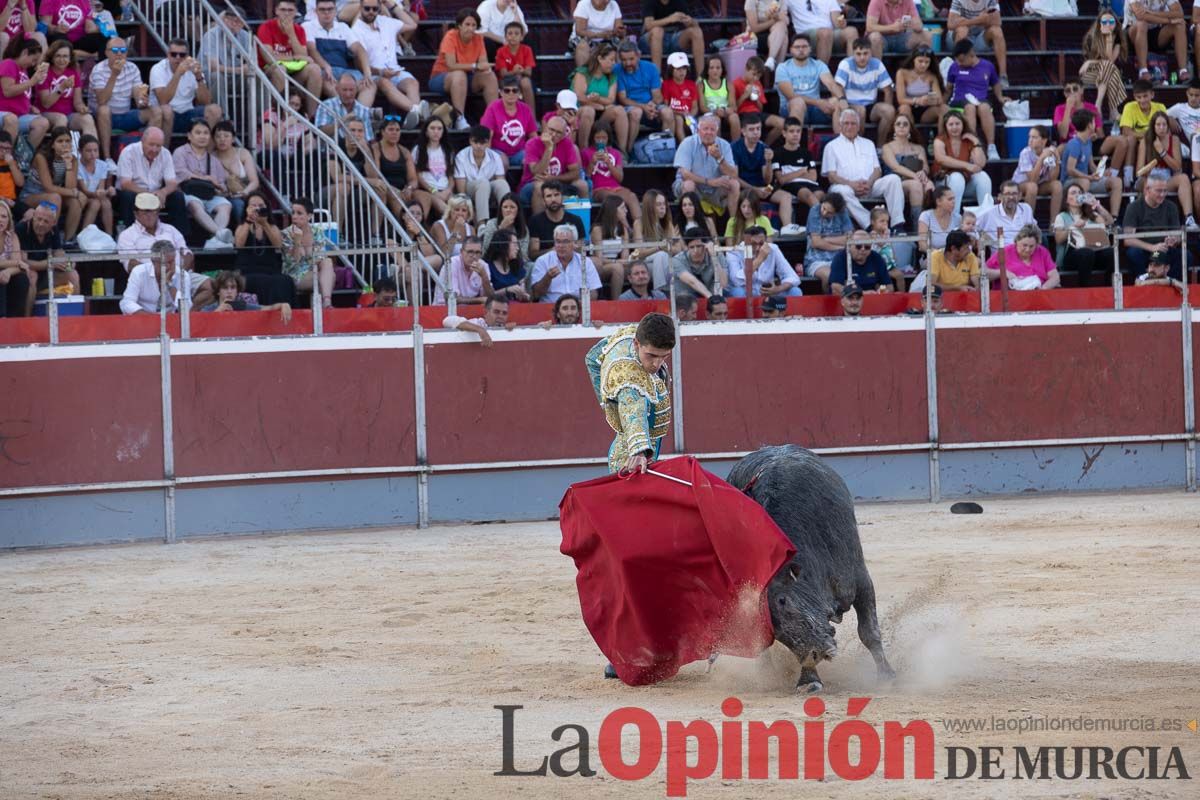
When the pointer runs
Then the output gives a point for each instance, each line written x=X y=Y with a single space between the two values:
x=462 y=124
x=412 y=119
x=407 y=49
x=1191 y=222
x=215 y=243
x=423 y=108
x=225 y=235
x=992 y=153
x=791 y=230
x=770 y=64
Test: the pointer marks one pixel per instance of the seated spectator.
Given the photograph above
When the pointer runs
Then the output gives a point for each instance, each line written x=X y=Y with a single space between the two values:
x=604 y=164
x=596 y=87
x=462 y=64
x=611 y=236
x=959 y=162
x=970 y=78
x=454 y=228
x=230 y=285
x=12 y=180
x=1105 y=51
x=866 y=268
x=18 y=283
x=639 y=284
x=766 y=271
x=304 y=253
x=345 y=102
x=566 y=311
x=1152 y=212
x=1135 y=121
x=21 y=24
x=1164 y=19
x=563 y=270
x=716 y=308
x=286 y=143
x=1161 y=152
x=494 y=18
x=692 y=216
x=935 y=223
x=704 y=164
x=179 y=90
x=143 y=167
x=1112 y=146
x=1185 y=116
x=335 y=48
x=768 y=21
x=920 y=93
x=681 y=93
x=566 y=107
x=16 y=91
x=1081 y=232
x=143 y=292
x=639 y=90
x=479 y=172
x=829 y=228
x=1029 y=265
x=895 y=26
x=1078 y=164
x=466 y=274
x=698 y=269
x=852 y=300
x=380 y=37
x=1010 y=215
x=907 y=159
x=897 y=256
x=659 y=237
x=1156 y=274
x=799 y=81
x=686 y=306
x=434 y=159
x=749 y=96
x=544 y=225
x=343 y=204
x=954 y=267
x=551 y=157
x=824 y=23
x=596 y=22
x=59 y=96
x=221 y=57
x=715 y=97
x=795 y=172
x=241 y=173
x=851 y=166
x=259 y=259
x=755 y=163
x=515 y=59
x=202 y=181
x=505 y=266
x=285 y=54
x=667 y=27
x=54 y=178
x=40 y=240
x=979 y=24
x=864 y=77
x=136 y=240
x=72 y=20
x=749 y=215
x=511 y=122
x=511 y=217
x=97 y=182
x=119 y=99
x=414 y=224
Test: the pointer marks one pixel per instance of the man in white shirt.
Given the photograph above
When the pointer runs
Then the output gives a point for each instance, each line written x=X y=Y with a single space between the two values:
x=179 y=90
x=825 y=24
x=113 y=83
x=769 y=272
x=1009 y=215
x=148 y=229
x=337 y=50
x=851 y=165
x=479 y=172
x=379 y=35
x=144 y=167
x=563 y=270
x=143 y=292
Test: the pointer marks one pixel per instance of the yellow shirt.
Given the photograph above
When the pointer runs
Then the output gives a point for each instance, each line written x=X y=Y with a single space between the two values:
x=1132 y=116
x=951 y=276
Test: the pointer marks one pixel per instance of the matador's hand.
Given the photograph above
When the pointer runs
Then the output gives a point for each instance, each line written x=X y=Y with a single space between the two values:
x=635 y=463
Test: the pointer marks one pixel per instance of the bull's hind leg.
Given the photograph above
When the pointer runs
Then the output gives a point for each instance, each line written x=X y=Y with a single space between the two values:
x=868 y=628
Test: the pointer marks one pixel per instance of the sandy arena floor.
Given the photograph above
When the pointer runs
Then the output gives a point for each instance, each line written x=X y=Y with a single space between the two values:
x=366 y=665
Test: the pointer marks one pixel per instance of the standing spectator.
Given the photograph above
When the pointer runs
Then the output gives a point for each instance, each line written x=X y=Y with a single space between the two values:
x=337 y=51
x=1164 y=19
x=97 y=183
x=180 y=91
x=824 y=21
x=494 y=18
x=259 y=243
x=596 y=87
x=755 y=163
x=222 y=57
x=865 y=268
x=639 y=89
x=1152 y=212
x=379 y=37
x=434 y=158
x=511 y=122
x=610 y=239
x=467 y=275
x=919 y=89
x=1037 y=170
x=1077 y=162
x=563 y=270
x=286 y=54
x=41 y=240
x=829 y=228
x=461 y=65
x=542 y=226
x=60 y=95
x=18 y=283
x=681 y=93
x=21 y=24
x=765 y=270
x=1010 y=215
x=639 y=284
x=479 y=172
x=794 y=170
x=119 y=99
x=515 y=60
x=304 y=253
x=978 y=22
x=954 y=267
x=551 y=157
x=970 y=80
x=907 y=159
x=698 y=269
x=1064 y=113
x=659 y=235
x=895 y=26
x=16 y=91
x=202 y=179
x=241 y=173
x=143 y=167
x=959 y=162
x=1081 y=232
x=604 y=165
x=1105 y=50
x=596 y=22
x=72 y=20
x=715 y=95
x=510 y=218
x=1028 y=263
x=851 y=166
x=1162 y=152
x=767 y=20
x=667 y=27
x=934 y=224
x=54 y=178
x=749 y=97
x=864 y=77
x=704 y=164
x=505 y=266
x=799 y=81
x=346 y=102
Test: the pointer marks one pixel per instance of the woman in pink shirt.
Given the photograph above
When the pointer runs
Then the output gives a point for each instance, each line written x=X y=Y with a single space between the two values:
x=511 y=122
x=21 y=22
x=60 y=95
x=1026 y=261
x=16 y=91
x=603 y=163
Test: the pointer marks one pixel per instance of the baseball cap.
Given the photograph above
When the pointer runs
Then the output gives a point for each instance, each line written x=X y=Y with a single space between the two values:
x=1159 y=258
x=775 y=302
x=677 y=60
x=567 y=99
x=146 y=201
x=936 y=291
x=851 y=289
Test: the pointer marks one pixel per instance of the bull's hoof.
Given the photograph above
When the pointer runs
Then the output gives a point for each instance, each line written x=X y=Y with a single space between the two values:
x=813 y=687
x=886 y=675
x=609 y=672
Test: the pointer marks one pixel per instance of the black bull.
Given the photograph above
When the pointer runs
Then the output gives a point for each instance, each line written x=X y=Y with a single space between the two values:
x=814 y=509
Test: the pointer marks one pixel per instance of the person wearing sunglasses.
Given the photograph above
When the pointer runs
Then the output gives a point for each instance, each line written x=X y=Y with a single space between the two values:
x=1105 y=50
x=870 y=271
x=380 y=36
x=284 y=54
x=179 y=90
x=120 y=101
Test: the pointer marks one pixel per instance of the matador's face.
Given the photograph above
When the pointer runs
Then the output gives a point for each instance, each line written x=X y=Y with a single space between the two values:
x=651 y=358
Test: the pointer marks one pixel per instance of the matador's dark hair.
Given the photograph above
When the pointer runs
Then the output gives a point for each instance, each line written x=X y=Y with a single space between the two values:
x=656 y=330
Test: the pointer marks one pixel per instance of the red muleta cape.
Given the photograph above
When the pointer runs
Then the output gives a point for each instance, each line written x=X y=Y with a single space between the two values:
x=668 y=573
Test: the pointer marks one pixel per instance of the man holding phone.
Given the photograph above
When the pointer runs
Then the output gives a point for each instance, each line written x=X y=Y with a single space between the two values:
x=895 y=26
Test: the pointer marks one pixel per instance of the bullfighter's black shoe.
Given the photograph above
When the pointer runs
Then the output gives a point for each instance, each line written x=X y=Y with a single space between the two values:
x=609 y=672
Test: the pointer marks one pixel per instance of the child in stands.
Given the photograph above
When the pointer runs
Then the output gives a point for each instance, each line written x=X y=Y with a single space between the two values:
x=681 y=94
x=516 y=58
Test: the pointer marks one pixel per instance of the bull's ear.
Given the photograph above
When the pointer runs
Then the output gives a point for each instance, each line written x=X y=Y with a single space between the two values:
x=794 y=571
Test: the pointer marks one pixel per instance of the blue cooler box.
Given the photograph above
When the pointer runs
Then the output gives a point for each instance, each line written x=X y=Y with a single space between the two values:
x=1017 y=135
x=67 y=306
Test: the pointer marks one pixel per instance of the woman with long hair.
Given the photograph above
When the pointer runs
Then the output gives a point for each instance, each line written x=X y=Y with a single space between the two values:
x=398 y=169
x=1105 y=50
x=658 y=239
x=53 y=178
x=434 y=159
x=959 y=160
x=414 y=222
x=693 y=216
x=935 y=223
x=18 y=284
x=1159 y=149
x=595 y=85
x=606 y=166
x=611 y=236
x=749 y=214
x=259 y=244
x=716 y=96
x=1037 y=170
x=904 y=157
x=507 y=270
x=1081 y=231
x=920 y=93
x=512 y=217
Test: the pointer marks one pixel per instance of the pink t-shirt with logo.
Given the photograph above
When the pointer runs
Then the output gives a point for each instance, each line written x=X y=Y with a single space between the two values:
x=602 y=178
x=509 y=134
x=15 y=25
x=71 y=14
x=19 y=105
x=565 y=155
x=66 y=102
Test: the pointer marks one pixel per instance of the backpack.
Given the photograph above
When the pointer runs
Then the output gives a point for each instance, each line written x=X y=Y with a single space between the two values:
x=654 y=151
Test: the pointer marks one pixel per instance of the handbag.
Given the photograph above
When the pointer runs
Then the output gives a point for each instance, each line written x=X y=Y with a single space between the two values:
x=202 y=189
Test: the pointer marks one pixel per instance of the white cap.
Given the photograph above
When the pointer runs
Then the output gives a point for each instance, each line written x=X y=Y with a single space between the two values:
x=567 y=99
x=677 y=60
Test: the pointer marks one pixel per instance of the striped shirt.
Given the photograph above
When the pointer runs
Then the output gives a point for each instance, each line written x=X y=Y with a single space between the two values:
x=122 y=94
x=331 y=110
x=970 y=9
x=862 y=85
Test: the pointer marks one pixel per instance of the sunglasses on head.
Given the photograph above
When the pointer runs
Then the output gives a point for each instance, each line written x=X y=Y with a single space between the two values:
x=48 y=204
x=120 y=49
x=392 y=118
x=924 y=51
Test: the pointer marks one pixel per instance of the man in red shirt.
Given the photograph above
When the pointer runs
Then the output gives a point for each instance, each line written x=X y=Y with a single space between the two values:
x=288 y=54
x=515 y=58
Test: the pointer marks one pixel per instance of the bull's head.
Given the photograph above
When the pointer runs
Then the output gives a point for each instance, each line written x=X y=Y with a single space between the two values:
x=803 y=621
